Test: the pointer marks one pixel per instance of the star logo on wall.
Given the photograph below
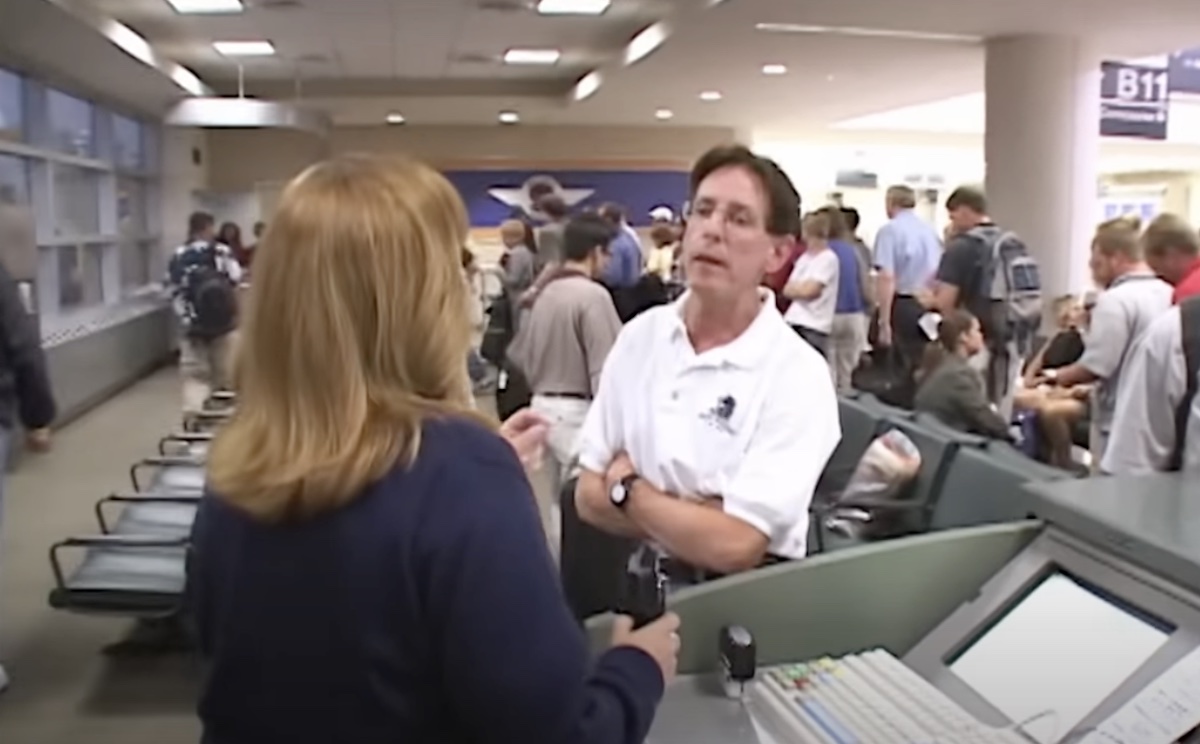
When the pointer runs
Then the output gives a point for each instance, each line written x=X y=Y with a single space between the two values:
x=526 y=196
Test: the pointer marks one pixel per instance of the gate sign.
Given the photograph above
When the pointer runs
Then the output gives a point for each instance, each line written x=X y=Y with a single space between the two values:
x=1133 y=101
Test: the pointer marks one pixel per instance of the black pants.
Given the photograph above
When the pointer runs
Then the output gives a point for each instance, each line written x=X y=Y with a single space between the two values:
x=908 y=340
x=815 y=339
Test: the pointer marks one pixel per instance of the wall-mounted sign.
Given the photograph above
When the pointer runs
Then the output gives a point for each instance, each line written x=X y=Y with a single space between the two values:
x=1183 y=71
x=1133 y=101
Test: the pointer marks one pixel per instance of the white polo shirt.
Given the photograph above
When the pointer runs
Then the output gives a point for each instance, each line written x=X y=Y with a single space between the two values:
x=753 y=422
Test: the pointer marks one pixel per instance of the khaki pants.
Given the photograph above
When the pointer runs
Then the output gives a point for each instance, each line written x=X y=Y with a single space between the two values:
x=565 y=417
x=847 y=339
x=205 y=366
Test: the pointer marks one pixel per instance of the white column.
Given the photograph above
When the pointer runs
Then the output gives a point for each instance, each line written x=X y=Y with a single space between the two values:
x=1041 y=147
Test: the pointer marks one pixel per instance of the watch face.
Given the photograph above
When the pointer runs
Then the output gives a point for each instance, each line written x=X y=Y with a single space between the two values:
x=618 y=494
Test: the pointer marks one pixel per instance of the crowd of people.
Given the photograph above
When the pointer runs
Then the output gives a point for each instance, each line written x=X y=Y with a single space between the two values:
x=370 y=562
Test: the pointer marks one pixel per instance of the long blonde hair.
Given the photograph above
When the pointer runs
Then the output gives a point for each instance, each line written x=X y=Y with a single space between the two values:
x=355 y=332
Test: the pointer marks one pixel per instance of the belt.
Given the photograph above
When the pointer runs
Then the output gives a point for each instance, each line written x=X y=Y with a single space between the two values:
x=571 y=396
x=685 y=573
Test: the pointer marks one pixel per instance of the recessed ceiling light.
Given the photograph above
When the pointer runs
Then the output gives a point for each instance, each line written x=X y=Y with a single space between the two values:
x=395 y=118
x=244 y=48
x=710 y=95
x=509 y=117
x=774 y=69
x=663 y=114
x=573 y=7
x=646 y=41
x=532 y=56
x=206 y=6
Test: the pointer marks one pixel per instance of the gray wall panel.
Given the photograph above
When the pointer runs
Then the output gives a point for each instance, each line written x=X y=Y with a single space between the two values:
x=90 y=368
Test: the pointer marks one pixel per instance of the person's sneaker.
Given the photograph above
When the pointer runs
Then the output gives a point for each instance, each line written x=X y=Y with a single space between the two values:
x=3 y=679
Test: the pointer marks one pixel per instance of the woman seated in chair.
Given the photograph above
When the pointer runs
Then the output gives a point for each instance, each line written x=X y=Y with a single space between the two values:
x=949 y=388
x=1058 y=409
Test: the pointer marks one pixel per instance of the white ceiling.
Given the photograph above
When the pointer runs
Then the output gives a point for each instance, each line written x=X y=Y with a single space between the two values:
x=434 y=59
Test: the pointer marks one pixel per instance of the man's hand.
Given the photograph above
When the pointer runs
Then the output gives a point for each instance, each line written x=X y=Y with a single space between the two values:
x=885 y=335
x=38 y=440
x=526 y=431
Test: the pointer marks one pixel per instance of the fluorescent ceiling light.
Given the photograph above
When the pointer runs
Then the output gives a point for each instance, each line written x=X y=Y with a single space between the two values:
x=129 y=41
x=587 y=85
x=395 y=118
x=774 y=69
x=573 y=7
x=710 y=95
x=244 y=48
x=186 y=79
x=532 y=56
x=206 y=6
x=647 y=41
x=509 y=117
x=663 y=114
x=798 y=28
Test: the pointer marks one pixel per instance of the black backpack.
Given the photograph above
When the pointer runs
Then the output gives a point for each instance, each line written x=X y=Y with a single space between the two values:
x=1189 y=319
x=211 y=295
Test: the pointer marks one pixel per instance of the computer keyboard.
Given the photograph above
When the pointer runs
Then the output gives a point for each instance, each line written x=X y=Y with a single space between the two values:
x=867 y=698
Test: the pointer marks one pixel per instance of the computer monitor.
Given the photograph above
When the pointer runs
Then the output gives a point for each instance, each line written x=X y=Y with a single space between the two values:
x=1059 y=640
x=1057 y=654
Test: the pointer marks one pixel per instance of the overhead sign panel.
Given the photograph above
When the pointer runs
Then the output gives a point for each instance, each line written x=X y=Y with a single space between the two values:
x=1134 y=101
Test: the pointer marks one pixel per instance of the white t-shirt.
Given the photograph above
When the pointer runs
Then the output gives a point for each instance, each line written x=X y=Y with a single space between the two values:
x=753 y=421
x=816 y=313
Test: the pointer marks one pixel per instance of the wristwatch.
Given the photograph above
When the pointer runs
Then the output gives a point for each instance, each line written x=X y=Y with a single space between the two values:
x=621 y=490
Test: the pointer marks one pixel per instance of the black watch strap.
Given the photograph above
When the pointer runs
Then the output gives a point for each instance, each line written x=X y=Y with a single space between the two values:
x=626 y=484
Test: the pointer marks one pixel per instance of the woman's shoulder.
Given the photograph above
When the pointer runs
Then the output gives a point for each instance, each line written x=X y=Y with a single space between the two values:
x=462 y=439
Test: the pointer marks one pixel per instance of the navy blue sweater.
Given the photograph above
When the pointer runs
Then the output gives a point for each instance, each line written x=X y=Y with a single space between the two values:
x=427 y=610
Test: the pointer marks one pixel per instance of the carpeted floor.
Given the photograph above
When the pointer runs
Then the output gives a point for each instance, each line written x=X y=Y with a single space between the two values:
x=64 y=691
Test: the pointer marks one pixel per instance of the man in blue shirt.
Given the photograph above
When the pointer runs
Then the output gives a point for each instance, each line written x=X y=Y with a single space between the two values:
x=907 y=253
x=625 y=251
x=848 y=335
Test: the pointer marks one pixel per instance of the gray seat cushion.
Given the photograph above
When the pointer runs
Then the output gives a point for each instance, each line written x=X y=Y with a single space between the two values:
x=141 y=570
x=178 y=478
x=155 y=520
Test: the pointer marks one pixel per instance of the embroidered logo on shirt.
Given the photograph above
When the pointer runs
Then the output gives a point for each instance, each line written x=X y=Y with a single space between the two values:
x=718 y=416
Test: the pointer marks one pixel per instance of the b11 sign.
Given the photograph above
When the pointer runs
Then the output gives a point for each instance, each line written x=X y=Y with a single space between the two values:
x=1133 y=101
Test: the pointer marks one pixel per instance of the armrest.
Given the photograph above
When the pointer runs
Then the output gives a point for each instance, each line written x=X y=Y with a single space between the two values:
x=172 y=461
x=191 y=498
x=161 y=462
x=168 y=497
x=183 y=438
x=108 y=541
x=121 y=541
x=866 y=502
x=189 y=437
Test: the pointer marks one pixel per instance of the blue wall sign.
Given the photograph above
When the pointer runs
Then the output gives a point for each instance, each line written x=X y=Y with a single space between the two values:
x=493 y=196
x=1184 y=71
x=1134 y=100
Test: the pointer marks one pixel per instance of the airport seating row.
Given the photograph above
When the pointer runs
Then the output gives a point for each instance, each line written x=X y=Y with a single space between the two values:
x=135 y=564
x=963 y=480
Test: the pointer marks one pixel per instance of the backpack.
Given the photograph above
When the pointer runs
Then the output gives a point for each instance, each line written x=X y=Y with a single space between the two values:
x=211 y=296
x=1011 y=286
x=1189 y=322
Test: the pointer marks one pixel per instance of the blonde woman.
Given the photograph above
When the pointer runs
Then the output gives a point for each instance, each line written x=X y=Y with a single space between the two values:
x=368 y=564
